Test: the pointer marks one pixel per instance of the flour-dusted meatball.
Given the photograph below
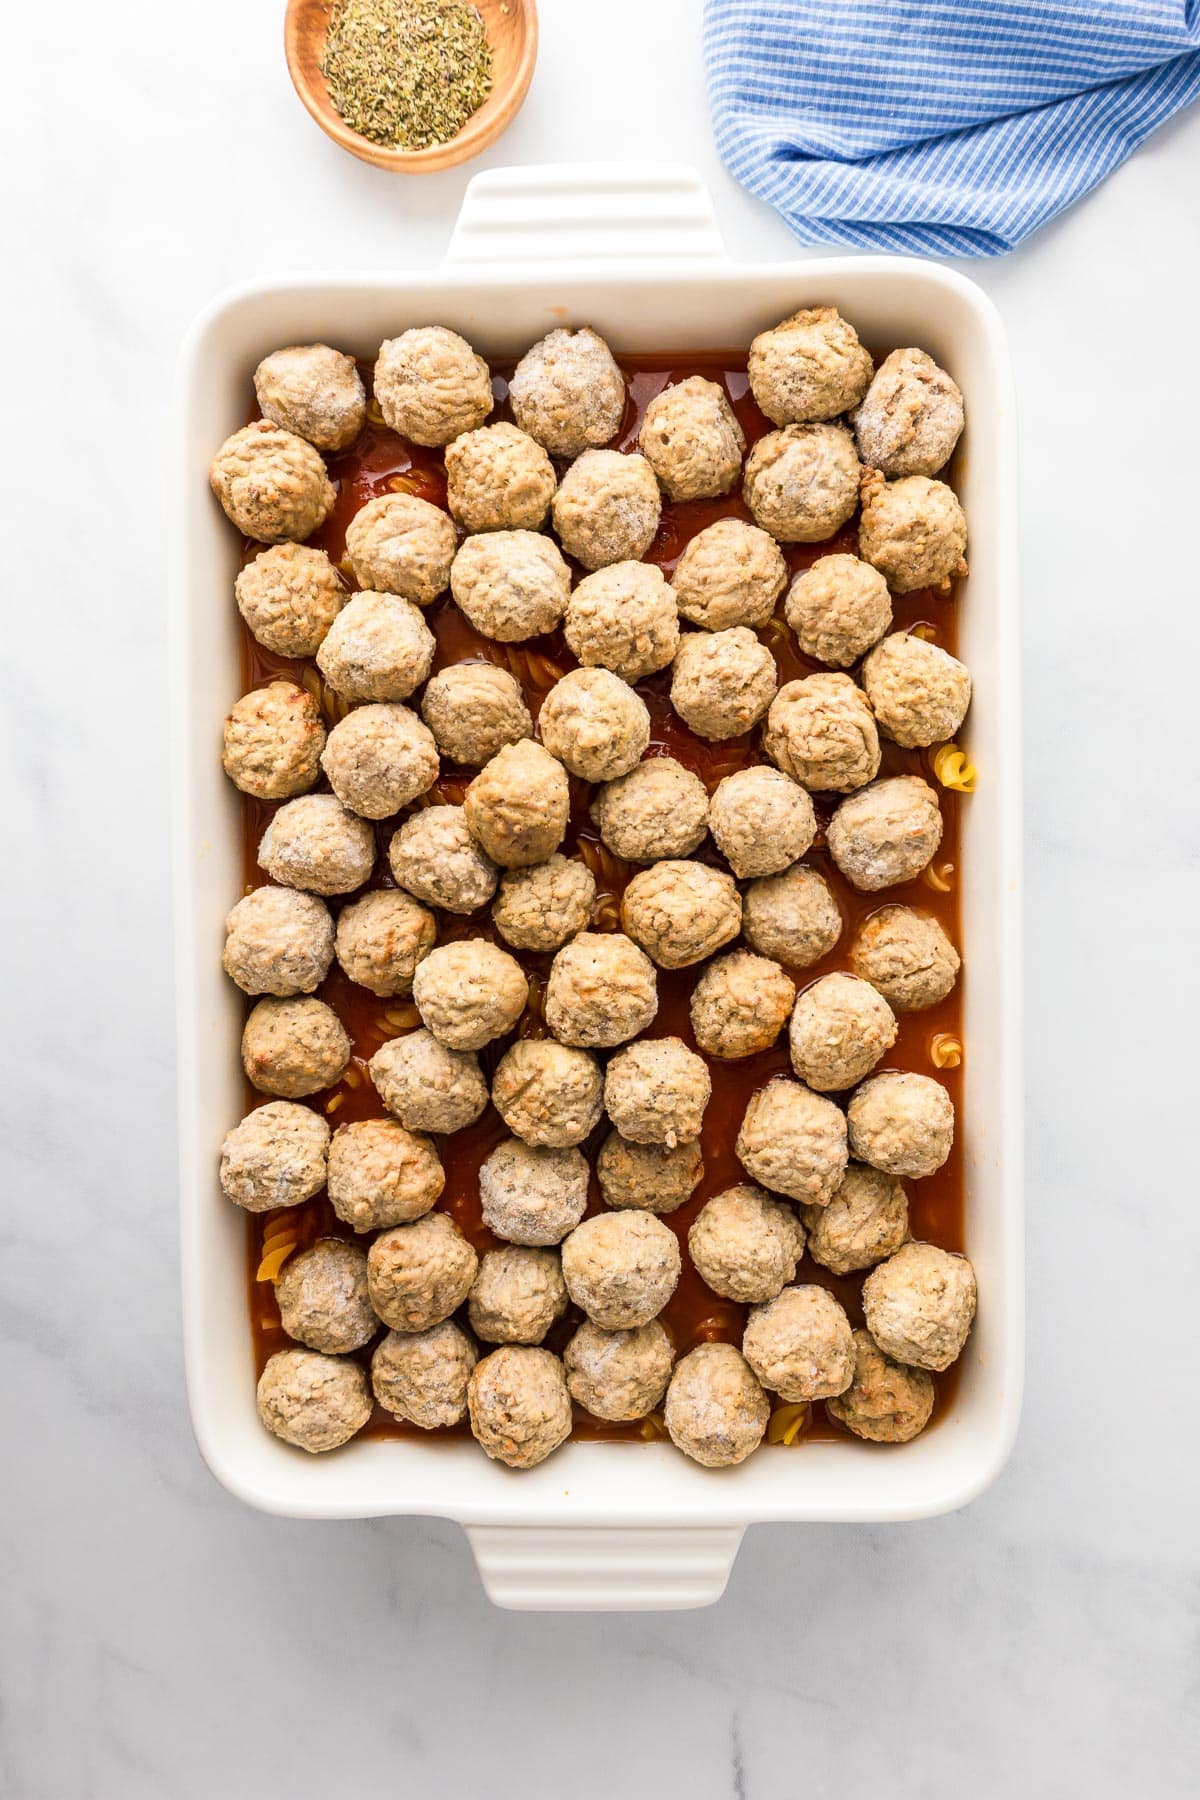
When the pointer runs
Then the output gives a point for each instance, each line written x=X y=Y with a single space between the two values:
x=656 y=1092
x=294 y=1047
x=621 y=1268
x=273 y=741
x=886 y=834
x=840 y=1028
x=901 y=1123
x=378 y=648
x=801 y=483
x=312 y=1401
x=315 y=391
x=470 y=991
x=271 y=483
x=681 y=912
x=838 y=608
x=519 y=1405
x=607 y=508
x=422 y=1376
x=323 y=1300
x=517 y=1295
x=420 y=1273
x=907 y=956
x=793 y=1141
x=540 y=908
x=866 y=1220
x=568 y=393
x=919 y=693
x=275 y=1157
x=811 y=366
x=800 y=1344
x=792 y=917
x=660 y=809
x=314 y=843
x=381 y=938
x=723 y=682
x=382 y=1175
x=913 y=531
x=511 y=585
x=427 y=1086
x=431 y=386
x=595 y=724
x=499 y=479
x=656 y=1177
x=745 y=1245
x=378 y=758
x=518 y=805
x=533 y=1193
x=716 y=1410
x=289 y=596
x=278 y=942
x=731 y=573
x=436 y=858
x=548 y=1093
x=761 y=821
x=692 y=440
x=911 y=417
x=618 y=1375
x=919 y=1305
x=740 y=1005
x=623 y=618
x=399 y=544
x=820 y=732
x=602 y=991
x=885 y=1403
x=473 y=710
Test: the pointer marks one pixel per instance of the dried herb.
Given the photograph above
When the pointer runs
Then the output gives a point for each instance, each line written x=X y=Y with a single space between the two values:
x=406 y=72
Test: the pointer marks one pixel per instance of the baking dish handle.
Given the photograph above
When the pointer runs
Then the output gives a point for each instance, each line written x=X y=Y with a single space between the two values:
x=604 y=1568
x=586 y=212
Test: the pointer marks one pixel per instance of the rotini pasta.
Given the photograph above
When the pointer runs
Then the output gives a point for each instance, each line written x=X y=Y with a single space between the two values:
x=939 y=878
x=652 y=1427
x=945 y=1050
x=952 y=769
x=786 y=1423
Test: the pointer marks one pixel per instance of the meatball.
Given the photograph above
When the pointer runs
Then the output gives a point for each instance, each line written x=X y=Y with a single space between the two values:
x=731 y=573
x=681 y=912
x=601 y=991
x=901 y=1123
x=840 y=1028
x=278 y=942
x=323 y=1300
x=420 y=1273
x=886 y=834
x=289 y=596
x=911 y=417
x=519 y=1405
x=918 y=692
x=422 y=1376
x=378 y=648
x=820 y=732
x=801 y=483
x=533 y=1194
x=595 y=724
x=380 y=940
x=740 y=1005
x=716 y=1411
x=793 y=1142
x=812 y=366
x=723 y=682
x=314 y=391
x=312 y=1401
x=275 y=1157
x=540 y=908
x=866 y=1220
x=294 y=1047
x=623 y=618
x=511 y=585
x=273 y=741
x=792 y=917
x=473 y=710
x=382 y=1175
x=426 y=1086
x=885 y=1403
x=761 y=821
x=913 y=531
x=692 y=440
x=618 y=1375
x=745 y=1245
x=378 y=758
x=607 y=508
x=568 y=393
x=656 y=1092
x=800 y=1344
x=838 y=608
x=271 y=483
x=660 y=809
x=656 y=1177
x=499 y=479
x=621 y=1268
x=919 y=1305
x=315 y=843
x=431 y=386
x=517 y=806
x=517 y=1296
x=436 y=858
x=398 y=544
x=907 y=956
x=547 y=1093
x=470 y=992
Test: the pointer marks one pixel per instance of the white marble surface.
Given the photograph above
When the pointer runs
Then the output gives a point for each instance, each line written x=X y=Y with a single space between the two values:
x=161 y=1642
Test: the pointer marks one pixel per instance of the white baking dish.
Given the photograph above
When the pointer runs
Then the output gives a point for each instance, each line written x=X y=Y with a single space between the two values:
x=634 y=251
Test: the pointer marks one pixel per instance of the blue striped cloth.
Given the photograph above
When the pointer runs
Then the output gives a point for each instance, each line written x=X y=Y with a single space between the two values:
x=952 y=127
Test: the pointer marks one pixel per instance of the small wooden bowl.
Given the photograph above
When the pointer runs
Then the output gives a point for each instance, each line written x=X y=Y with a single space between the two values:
x=512 y=30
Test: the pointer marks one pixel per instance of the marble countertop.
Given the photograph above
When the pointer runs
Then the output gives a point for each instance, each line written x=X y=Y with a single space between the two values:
x=162 y=1642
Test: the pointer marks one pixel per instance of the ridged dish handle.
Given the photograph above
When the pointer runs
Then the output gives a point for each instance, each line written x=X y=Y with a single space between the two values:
x=603 y=1568
x=586 y=212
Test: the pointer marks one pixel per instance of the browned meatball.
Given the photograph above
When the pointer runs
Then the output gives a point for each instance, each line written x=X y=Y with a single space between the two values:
x=886 y=834
x=740 y=1005
x=294 y=1047
x=567 y=392
x=470 y=991
x=601 y=991
x=378 y=758
x=623 y=618
x=289 y=596
x=656 y=1177
x=548 y=1093
x=681 y=912
x=278 y=942
x=314 y=843
x=920 y=1304
x=723 y=682
x=518 y=804
x=312 y=1401
x=621 y=1268
x=323 y=1300
x=607 y=508
x=517 y=1295
x=838 y=608
x=716 y=1411
x=533 y=1193
x=692 y=440
x=913 y=531
x=801 y=483
x=731 y=573
x=275 y=1157
x=918 y=692
x=431 y=386
x=378 y=648
x=381 y=939
x=660 y=809
x=866 y=1220
x=420 y=1273
x=511 y=585
x=794 y=1142
x=519 y=1405
x=618 y=1375
x=812 y=366
x=840 y=1028
x=792 y=917
x=382 y=1175
x=540 y=908
x=595 y=724
x=820 y=732
x=499 y=479
x=271 y=483
x=901 y=1123
x=435 y=857
x=427 y=1086
x=422 y=1376
x=907 y=956
x=761 y=820
x=473 y=710
x=656 y=1092
x=885 y=1403
x=745 y=1245
x=273 y=741
x=800 y=1345
x=911 y=417
x=315 y=391
x=399 y=544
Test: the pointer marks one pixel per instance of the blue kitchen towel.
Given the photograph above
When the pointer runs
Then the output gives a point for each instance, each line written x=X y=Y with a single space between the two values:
x=952 y=127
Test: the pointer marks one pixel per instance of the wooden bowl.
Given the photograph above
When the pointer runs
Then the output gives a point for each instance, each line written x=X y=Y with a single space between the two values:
x=512 y=31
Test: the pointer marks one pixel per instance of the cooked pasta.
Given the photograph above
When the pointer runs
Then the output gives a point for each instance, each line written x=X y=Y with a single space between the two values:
x=945 y=1050
x=953 y=770
x=280 y=1237
x=653 y=1426
x=786 y=1423
x=939 y=879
